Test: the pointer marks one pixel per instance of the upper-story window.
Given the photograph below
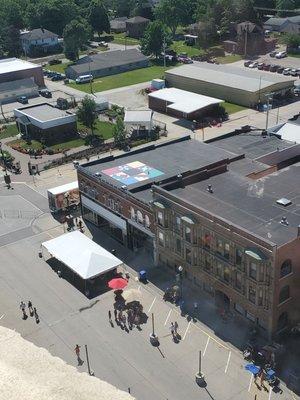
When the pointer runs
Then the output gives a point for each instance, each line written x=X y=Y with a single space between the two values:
x=284 y=294
x=178 y=224
x=188 y=255
x=238 y=257
x=238 y=281
x=132 y=213
x=219 y=246
x=160 y=218
x=226 y=250
x=226 y=274
x=139 y=216
x=252 y=295
x=207 y=240
x=253 y=270
x=286 y=268
x=178 y=245
x=147 y=221
x=188 y=234
x=161 y=238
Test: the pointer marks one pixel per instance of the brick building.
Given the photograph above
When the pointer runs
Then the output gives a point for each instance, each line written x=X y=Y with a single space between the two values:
x=227 y=213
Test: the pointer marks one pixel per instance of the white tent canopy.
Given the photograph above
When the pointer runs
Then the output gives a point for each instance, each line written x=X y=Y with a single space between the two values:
x=138 y=118
x=86 y=258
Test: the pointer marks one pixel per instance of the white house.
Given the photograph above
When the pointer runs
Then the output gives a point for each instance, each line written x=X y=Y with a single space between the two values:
x=39 y=39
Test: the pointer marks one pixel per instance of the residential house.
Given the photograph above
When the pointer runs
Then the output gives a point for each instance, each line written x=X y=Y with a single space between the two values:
x=39 y=41
x=136 y=26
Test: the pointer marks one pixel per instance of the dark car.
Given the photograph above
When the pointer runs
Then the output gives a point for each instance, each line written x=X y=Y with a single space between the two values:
x=50 y=74
x=273 y=53
x=260 y=66
x=55 y=61
x=274 y=67
x=45 y=93
x=247 y=63
x=57 y=77
x=280 y=70
x=267 y=67
x=22 y=99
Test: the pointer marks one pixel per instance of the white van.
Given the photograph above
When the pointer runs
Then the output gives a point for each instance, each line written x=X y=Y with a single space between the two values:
x=281 y=54
x=84 y=78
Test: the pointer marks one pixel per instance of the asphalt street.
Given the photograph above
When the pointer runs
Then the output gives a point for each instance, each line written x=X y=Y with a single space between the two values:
x=126 y=360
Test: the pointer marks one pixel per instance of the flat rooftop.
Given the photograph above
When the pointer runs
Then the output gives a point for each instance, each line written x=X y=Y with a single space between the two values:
x=157 y=163
x=15 y=64
x=225 y=75
x=251 y=204
x=43 y=112
x=184 y=101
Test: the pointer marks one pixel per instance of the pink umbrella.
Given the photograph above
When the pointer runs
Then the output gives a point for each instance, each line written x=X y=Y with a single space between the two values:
x=117 y=283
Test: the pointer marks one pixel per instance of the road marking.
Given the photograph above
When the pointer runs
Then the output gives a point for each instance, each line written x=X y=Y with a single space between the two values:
x=186 y=331
x=50 y=235
x=250 y=383
x=168 y=316
x=226 y=368
x=2 y=316
x=208 y=339
x=152 y=304
x=270 y=392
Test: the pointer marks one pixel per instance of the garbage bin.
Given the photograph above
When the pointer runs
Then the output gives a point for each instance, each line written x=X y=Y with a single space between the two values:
x=143 y=275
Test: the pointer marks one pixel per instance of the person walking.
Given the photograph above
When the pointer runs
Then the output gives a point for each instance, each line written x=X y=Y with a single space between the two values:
x=77 y=352
x=22 y=308
x=30 y=309
x=115 y=314
x=176 y=328
x=37 y=319
x=109 y=316
x=172 y=329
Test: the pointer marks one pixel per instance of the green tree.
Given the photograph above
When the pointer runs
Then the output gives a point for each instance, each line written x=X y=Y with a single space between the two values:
x=284 y=5
x=119 y=132
x=245 y=11
x=75 y=35
x=87 y=113
x=153 y=40
x=292 y=40
x=171 y=13
x=12 y=42
x=98 y=17
x=144 y=9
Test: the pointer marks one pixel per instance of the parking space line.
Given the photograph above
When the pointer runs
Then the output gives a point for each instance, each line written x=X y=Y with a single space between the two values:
x=168 y=316
x=270 y=392
x=250 y=383
x=208 y=339
x=139 y=288
x=186 y=331
x=150 y=308
x=226 y=368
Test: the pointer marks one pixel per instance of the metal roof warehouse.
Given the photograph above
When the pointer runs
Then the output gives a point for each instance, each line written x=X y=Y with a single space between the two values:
x=233 y=84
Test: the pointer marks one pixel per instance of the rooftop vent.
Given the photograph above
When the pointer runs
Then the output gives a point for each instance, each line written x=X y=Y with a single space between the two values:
x=284 y=221
x=209 y=189
x=284 y=202
x=97 y=174
x=123 y=187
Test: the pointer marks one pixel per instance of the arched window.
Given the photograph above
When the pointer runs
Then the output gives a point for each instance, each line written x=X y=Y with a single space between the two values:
x=282 y=320
x=139 y=217
x=286 y=268
x=284 y=294
x=132 y=213
x=147 y=221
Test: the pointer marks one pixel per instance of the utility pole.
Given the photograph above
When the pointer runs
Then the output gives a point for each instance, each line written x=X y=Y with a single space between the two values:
x=88 y=361
x=269 y=97
x=164 y=48
x=91 y=79
x=246 y=38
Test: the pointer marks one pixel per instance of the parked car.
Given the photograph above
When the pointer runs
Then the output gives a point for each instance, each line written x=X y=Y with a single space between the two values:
x=280 y=70
x=260 y=66
x=267 y=67
x=55 y=61
x=274 y=67
x=273 y=53
x=294 y=72
x=50 y=74
x=45 y=93
x=286 y=71
x=187 y=61
x=103 y=44
x=253 y=65
x=247 y=63
x=281 y=54
x=57 y=77
x=22 y=99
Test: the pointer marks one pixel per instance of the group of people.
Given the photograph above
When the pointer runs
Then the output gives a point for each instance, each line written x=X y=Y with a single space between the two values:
x=32 y=311
x=124 y=319
x=174 y=330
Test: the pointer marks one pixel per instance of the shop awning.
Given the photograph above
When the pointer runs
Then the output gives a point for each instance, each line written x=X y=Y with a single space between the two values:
x=255 y=253
x=83 y=256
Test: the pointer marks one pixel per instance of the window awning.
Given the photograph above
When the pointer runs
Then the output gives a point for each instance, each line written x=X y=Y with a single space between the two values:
x=255 y=253
x=159 y=205
x=188 y=220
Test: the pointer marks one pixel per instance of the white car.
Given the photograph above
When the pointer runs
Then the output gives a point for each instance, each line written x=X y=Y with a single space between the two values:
x=281 y=54
x=253 y=65
x=287 y=71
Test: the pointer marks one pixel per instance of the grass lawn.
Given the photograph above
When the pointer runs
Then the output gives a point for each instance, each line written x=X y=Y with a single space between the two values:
x=119 y=38
x=124 y=79
x=181 y=47
x=104 y=129
x=294 y=55
x=232 y=108
x=10 y=130
x=58 y=67
x=229 y=59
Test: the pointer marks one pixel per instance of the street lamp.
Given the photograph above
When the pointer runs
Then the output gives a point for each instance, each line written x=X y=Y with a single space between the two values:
x=180 y=270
